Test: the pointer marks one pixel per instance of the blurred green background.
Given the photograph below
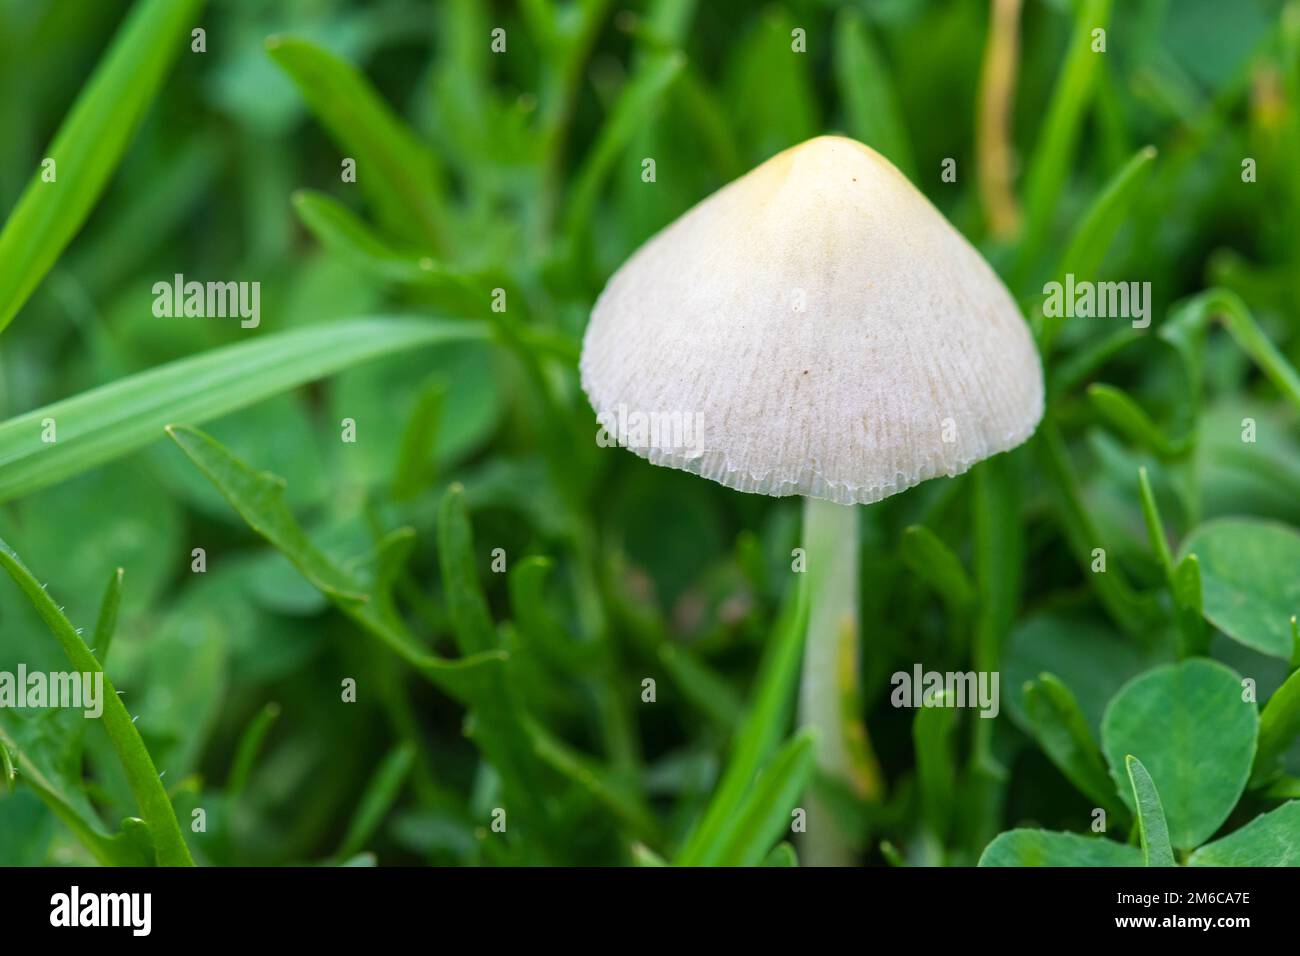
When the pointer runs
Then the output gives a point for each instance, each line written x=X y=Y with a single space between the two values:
x=524 y=172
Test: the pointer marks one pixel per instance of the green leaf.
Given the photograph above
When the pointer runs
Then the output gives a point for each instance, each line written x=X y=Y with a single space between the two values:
x=141 y=774
x=465 y=604
x=1109 y=210
x=1155 y=527
x=414 y=470
x=707 y=691
x=932 y=733
x=1188 y=589
x=110 y=421
x=866 y=89
x=537 y=624
x=1127 y=418
x=1152 y=828
x=935 y=563
x=589 y=775
x=1191 y=729
x=1271 y=839
x=397 y=172
x=248 y=749
x=341 y=231
x=47 y=761
x=783 y=854
x=477 y=680
x=642 y=855
x=1250 y=588
x=787 y=112
x=382 y=790
x=766 y=812
x=381 y=396
x=1093 y=659
x=635 y=101
x=1062 y=731
x=1186 y=328
x=258 y=497
x=1279 y=724
x=1184 y=581
x=500 y=725
x=89 y=145
x=46 y=751
x=106 y=623
x=26 y=829
x=1049 y=163
x=6 y=769
x=1076 y=368
x=769 y=712
x=1045 y=848
x=1132 y=611
x=997 y=535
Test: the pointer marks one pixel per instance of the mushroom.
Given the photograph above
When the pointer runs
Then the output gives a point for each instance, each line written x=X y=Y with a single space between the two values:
x=814 y=328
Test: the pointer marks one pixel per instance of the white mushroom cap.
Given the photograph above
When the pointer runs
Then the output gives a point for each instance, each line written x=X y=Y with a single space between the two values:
x=814 y=328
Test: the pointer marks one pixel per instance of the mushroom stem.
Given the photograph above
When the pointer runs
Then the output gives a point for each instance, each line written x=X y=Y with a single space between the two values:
x=830 y=692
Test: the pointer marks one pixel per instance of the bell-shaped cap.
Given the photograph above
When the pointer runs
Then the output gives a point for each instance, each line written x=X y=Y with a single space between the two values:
x=814 y=328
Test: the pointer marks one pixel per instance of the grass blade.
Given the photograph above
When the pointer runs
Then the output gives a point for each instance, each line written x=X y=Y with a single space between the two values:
x=499 y=720
x=341 y=231
x=1185 y=331
x=765 y=814
x=1183 y=579
x=465 y=603
x=1129 y=609
x=936 y=773
x=776 y=686
x=1279 y=724
x=1154 y=831
x=122 y=849
x=537 y=623
x=642 y=855
x=1127 y=418
x=250 y=746
x=414 y=469
x=142 y=775
x=935 y=563
x=636 y=100
x=596 y=780
x=381 y=793
x=89 y=145
x=783 y=854
x=7 y=771
x=106 y=623
x=113 y=420
x=870 y=105
x=397 y=172
x=1051 y=158
x=1096 y=230
x=1112 y=206
x=1062 y=732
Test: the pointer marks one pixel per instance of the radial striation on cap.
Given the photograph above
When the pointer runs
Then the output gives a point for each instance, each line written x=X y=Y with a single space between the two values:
x=814 y=328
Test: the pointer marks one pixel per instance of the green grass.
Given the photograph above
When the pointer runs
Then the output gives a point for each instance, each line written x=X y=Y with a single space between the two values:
x=437 y=624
